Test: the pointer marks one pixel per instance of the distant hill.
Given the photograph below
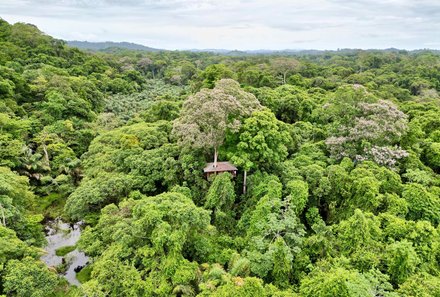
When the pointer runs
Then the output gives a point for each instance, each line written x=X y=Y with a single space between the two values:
x=115 y=47
x=105 y=46
x=295 y=52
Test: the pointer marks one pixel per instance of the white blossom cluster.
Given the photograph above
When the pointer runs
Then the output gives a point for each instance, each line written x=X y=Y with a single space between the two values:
x=383 y=155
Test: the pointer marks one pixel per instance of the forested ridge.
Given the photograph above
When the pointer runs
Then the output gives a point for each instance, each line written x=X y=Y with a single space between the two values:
x=338 y=184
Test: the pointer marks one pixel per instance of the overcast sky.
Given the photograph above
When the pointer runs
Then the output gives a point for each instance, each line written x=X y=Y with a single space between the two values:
x=237 y=24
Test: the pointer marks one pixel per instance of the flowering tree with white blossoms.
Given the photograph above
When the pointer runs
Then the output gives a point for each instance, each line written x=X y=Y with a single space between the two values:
x=371 y=134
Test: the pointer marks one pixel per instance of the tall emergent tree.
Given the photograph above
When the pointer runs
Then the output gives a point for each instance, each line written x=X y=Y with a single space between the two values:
x=283 y=66
x=207 y=115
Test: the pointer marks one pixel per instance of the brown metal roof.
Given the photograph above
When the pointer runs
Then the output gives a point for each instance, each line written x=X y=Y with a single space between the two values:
x=221 y=167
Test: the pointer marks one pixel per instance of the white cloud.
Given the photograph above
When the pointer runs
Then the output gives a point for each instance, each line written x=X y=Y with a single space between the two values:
x=237 y=24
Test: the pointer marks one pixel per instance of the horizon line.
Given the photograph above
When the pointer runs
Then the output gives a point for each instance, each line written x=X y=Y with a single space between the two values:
x=260 y=49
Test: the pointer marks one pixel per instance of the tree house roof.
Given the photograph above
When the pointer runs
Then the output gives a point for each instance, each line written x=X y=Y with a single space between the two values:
x=221 y=167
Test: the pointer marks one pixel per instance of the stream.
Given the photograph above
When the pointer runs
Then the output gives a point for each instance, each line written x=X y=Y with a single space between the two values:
x=60 y=234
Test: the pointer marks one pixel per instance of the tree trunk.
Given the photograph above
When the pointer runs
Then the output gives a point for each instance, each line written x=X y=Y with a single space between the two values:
x=215 y=157
x=244 y=181
x=3 y=215
x=46 y=155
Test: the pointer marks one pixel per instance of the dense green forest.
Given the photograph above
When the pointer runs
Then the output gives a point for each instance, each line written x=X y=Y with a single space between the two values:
x=338 y=184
